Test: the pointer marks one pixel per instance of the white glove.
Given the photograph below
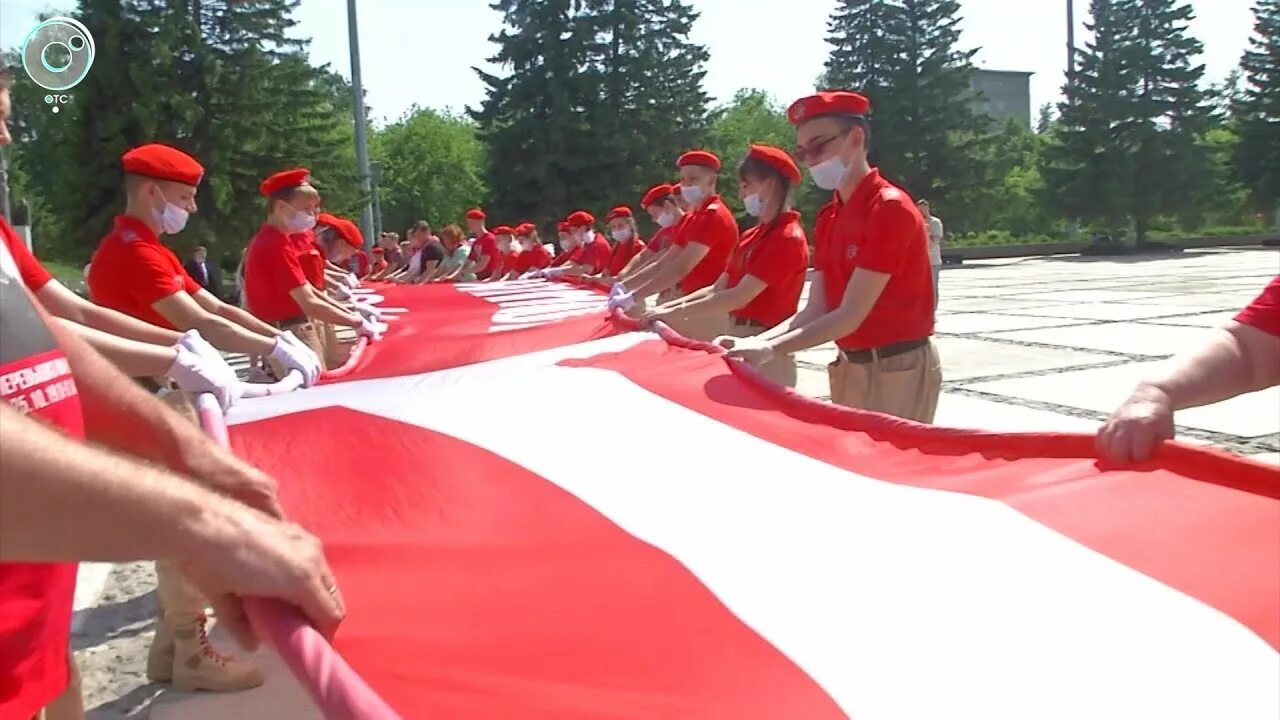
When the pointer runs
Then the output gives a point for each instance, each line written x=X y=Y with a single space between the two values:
x=197 y=374
x=624 y=301
x=618 y=289
x=534 y=274
x=368 y=312
x=343 y=292
x=352 y=280
x=290 y=352
x=195 y=342
x=371 y=329
x=552 y=273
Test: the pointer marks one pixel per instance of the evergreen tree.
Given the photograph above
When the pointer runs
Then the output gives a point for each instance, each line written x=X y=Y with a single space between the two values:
x=926 y=134
x=1258 y=111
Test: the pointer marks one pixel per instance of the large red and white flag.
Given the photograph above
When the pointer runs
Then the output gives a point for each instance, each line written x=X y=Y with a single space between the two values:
x=618 y=526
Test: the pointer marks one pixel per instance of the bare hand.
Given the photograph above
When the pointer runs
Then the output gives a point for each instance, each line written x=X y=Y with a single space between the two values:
x=242 y=553
x=1137 y=427
x=228 y=475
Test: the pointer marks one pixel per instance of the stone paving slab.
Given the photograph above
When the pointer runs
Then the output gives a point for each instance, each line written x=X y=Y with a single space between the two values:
x=1121 y=337
x=979 y=322
x=1268 y=458
x=992 y=304
x=1206 y=320
x=1093 y=296
x=1112 y=311
x=1221 y=300
x=813 y=383
x=1103 y=389
x=962 y=411
x=965 y=358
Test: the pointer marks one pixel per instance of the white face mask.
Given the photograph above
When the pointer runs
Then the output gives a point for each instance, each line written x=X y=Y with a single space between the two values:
x=526 y=244
x=692 y=194
x=300 y=222
x=171 y=219
x=754 y=204
x=570 y=243
x=620 y=235
x=829 y=173
x=667 y=219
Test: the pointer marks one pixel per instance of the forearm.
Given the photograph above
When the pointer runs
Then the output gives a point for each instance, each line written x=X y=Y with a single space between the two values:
x=121 y=415
x=316 y=308
x=133 y=358
x=1220 y=369
x=635 y=264
x=63 y=501
x=119 y=324
x=642 y=277
x=830 y=326
x=711 y=302
x=246 y=320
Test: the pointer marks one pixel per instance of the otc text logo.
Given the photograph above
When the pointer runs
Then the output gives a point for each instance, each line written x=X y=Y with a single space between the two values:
x=57 y=54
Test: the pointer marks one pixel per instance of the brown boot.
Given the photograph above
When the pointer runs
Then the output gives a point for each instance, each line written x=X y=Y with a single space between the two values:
x=160 y=656
x=198 y=665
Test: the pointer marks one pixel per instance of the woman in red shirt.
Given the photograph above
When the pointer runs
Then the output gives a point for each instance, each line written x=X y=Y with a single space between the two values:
x=761 y=286
x=626 y=239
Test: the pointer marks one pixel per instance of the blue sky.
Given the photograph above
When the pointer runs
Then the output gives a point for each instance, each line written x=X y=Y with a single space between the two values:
x=421 y=51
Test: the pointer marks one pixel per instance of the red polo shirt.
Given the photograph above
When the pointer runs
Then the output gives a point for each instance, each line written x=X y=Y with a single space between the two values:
x=486 y=243
x=572 y=257
x=662 y=238
x=712 y=225
x=132 y=270
x=35 y=598
x=881 y=230
x=595 y=253
x=34 y=276
x=272 y=269
x=778 y=254
x=1264 y=312
x=535 y=258
x=622 y=254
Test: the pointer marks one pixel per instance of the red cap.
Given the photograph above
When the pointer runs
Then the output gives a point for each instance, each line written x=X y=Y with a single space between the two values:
x=162 y=163
x=378 y=251
x=657 y=193
x=327 y=219
x=777 y=159
x=525 y=228
x=475 y=214
x=285 y=180
x=350 y=232
x=619 y=212
x=562 y=227
x=699 y=157
x=834 y=102
x=502 y=230
x=580 y=218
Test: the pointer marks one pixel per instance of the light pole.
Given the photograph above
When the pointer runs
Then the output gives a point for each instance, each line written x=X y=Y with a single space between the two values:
x=1071 y=39
x=375 y=172
x=362 y=145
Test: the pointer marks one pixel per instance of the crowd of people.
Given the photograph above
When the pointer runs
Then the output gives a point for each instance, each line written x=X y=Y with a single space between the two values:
x=102 y=460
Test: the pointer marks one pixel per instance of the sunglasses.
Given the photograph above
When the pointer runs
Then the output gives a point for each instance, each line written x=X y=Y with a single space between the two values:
x=813 y=151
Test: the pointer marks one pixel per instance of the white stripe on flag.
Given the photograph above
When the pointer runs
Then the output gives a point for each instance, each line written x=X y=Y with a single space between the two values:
x=900 y=602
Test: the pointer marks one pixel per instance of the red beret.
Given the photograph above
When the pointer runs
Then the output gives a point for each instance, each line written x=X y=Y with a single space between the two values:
x=656 y=193
x=699 y=157
x=581 y=218
x=836 y=102
x=378 y=251
x=327 y=219
x=350 y=232
x=285 y=180
x=525 y=228
x=502 y=230
x=562 y=227
x=777 y=159
x=475 y=214
x=162 y=163
x=619 y=212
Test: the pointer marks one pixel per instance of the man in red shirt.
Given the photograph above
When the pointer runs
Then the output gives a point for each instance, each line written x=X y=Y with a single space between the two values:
x=594 y=253
x=1241 y=357
x=659 y=202
x=873 y=289
x=484 y=251
x=569 y=250
x=134 y=273
x=765 y=278
x=702 y=245
x=627 y=243
x=277 y=286
x=504 y=236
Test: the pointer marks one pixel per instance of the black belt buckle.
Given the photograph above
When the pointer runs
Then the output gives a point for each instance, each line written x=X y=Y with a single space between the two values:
x=862 y=357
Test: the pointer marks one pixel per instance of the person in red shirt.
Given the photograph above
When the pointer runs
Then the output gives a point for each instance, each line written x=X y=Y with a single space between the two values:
x=504 y=237
x=483 y=259
x=627 y=241
x=762 y=285
x=660 y=203
x=533 y=254
x=135 y=274
x=703 y=245
x=594 y=253
x=569 y=250
x=338 y=239
x=277 y=287
x=873 y=288
x=379 y=264
x=1241 y=357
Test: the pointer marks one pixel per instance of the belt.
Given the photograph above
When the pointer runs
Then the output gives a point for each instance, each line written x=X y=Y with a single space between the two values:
x=747 y=322
x=883 y=352
x=282 y=324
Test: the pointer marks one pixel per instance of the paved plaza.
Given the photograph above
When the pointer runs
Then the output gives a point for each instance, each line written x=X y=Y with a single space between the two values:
x=1027 y=344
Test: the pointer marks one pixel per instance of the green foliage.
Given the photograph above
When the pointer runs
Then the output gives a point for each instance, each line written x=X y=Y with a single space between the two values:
x=1257 y=110
x=433 y=166
x=751 y=118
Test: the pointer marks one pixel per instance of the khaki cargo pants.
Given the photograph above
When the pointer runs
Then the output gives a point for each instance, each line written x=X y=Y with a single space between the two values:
x=905 y=386
x=315 y=335
x=781 y=369
x=705 y=327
